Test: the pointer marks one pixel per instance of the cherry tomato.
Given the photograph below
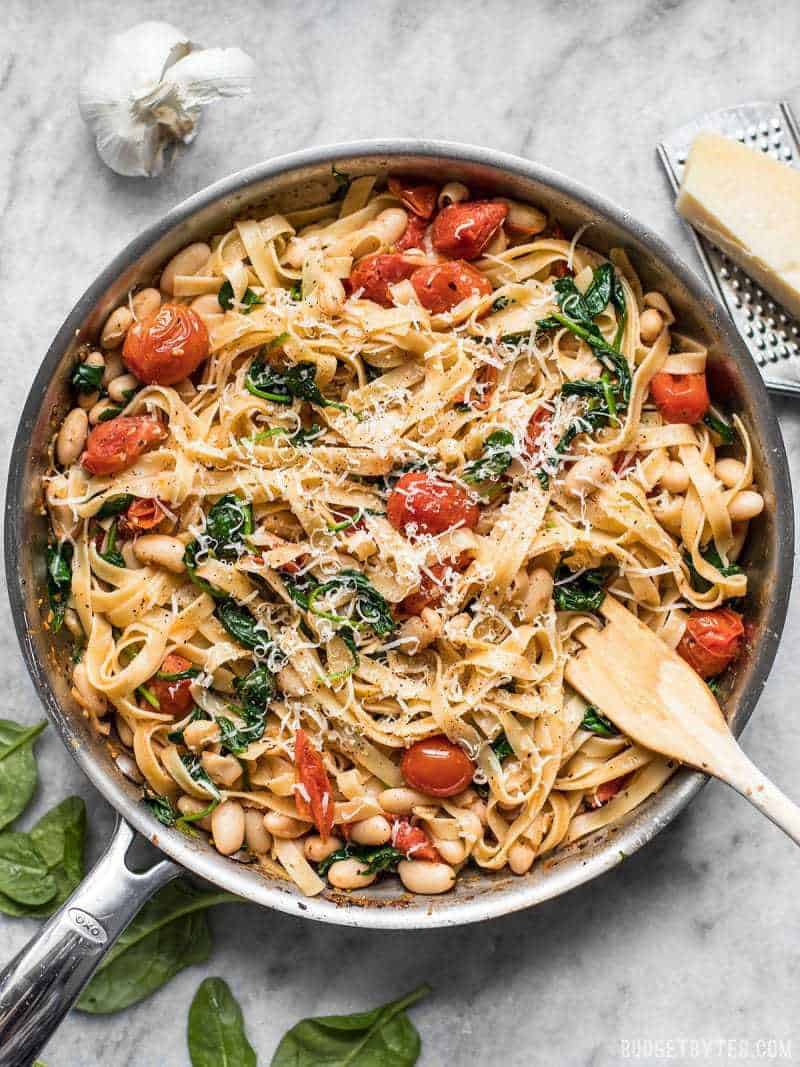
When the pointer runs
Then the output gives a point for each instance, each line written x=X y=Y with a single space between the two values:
x=418 y=197
x=430 y=504
x=680 y=397
x=413 y=841
x=437 y=766
x=462 y=231
x=559 y=268
x=174 y=697
x=536 y=425
x=712 y=640
x=443 y=285
x=144 y=513
x=316 y=800
x=431 y=588
x=374 y=274
x=623 y=461
x=167 y=346
x=413 y=235
x=607 y=791
x=112 y=446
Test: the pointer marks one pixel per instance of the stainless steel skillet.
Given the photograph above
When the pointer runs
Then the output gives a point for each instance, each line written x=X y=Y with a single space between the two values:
x=42 y=983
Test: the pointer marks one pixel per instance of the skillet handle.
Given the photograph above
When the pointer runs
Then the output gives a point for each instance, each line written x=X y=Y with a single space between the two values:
x=42 y=983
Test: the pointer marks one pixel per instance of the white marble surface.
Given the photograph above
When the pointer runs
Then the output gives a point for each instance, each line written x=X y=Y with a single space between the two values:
x=696 y=936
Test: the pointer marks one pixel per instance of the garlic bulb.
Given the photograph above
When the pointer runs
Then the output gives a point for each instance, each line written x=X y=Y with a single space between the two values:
x=147 y=90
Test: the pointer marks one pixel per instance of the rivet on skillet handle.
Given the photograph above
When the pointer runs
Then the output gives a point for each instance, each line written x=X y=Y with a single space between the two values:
x=771 y=334
x=42 y=983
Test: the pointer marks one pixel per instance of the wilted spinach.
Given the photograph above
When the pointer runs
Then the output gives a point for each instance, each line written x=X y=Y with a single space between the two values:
x=215 y=1033
x=110 y=553
x=494 y=461
x=374 y=858
x=191 y=564
x=383 y=1037
x=371 y=608
x=242 y=626
x=198 y=774
x=86 y=378
x=710 y=555
x=249 y=300
x=725 y=430
x=228 y=523
x=597 y=723
x=298 y=382
x=115 y=505
x=255 y=691
x=585 y=592
x=501 y=747
x=59 y=581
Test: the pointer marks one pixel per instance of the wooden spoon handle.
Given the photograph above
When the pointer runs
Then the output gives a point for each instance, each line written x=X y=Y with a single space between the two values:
x=747 y=779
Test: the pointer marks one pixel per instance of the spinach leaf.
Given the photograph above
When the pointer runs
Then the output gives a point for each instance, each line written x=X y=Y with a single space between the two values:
x=725 y=430
x=256 y=689
x=58 y=839
x=110 y=553
x=178 y=676
x=502 y=747
x=242 y=626
x=296 y=292
x=370 y=607
x=597 y=723
x=249 y=299
x=216 y=1034
x=59 y=581
x=598 y=296
x=198 y=773
x=190 y=562
x=228 y=523
x=87 y=379
x=298 y=382
x=300 y=587
x=383 y=1037
x=162 y=808
x=23 y=872
x=498 y=452
x=710 y=555
x=342 y=183
x=18 y=774
x=501 y=303
x=115 y=505
x=585 y=592
x=303 y=438
x=168 y=934
x=374 y=858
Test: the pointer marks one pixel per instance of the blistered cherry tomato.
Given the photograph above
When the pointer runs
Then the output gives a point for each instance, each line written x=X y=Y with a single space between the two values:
x=418 y=197
x=432 y=586
x=167 y=346
x=112 y=446
x=437 y=766
x=374 y=274
x=607 y=791
x=412 y=840
x=443 y=285
x=559 y=269
x=536 y=425
x=174 y=695
x=680 y=397
x=315 y=801
x=462 y=231
x=430 y=505
x=712 y=640
x=145 y=513
x=412 y=235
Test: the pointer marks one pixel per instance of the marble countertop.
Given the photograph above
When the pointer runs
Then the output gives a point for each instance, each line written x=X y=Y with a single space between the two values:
x=692 y=938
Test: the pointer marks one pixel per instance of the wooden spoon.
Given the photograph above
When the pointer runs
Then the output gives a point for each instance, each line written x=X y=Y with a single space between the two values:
x=655 y=697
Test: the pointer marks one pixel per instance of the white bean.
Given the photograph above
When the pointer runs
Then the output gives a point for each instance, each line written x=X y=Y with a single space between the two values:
x=160 y=550
x=587 y=475
x=660 y=303
x=669 y=511
x=72 y=437
x=453 y=193
x=196 y=735
x=346 y=874
x=650 y=325
x=189 y=260
x=373 y=831
x=284 y=826
x=145 y=303
x=190 y=806
x=100 y=408
x=316 y=848
x=227 y=827
x=114 y=367
x=523 y=219
x=95 y=359
x=259 y=839
x=729 y=471
x=538 y=593
x=745 y=505
x=452 y=852
x=520 y=857
x=423 y=876
x=116 y=327
x=675 y=478
x=120 y=389
x=224 y=770
x=401 y=801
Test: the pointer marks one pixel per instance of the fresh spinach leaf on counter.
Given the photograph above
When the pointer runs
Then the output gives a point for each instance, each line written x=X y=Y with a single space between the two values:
x=383 y=1037
x=228 y=523
x=585 y=592
x=494 y=461
x=59 y=581
x=18 y=775
x=216 y=1034
x=597 y=723
x=24 y=876
x=168 y=934
x=57 y=840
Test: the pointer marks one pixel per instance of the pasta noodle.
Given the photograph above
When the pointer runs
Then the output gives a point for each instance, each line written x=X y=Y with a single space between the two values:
x=337 y=584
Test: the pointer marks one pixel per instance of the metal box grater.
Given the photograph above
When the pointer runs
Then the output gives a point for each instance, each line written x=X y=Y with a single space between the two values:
x=771 y=334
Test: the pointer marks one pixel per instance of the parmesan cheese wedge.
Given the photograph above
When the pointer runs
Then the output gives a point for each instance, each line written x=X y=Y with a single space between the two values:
x=749 y=206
